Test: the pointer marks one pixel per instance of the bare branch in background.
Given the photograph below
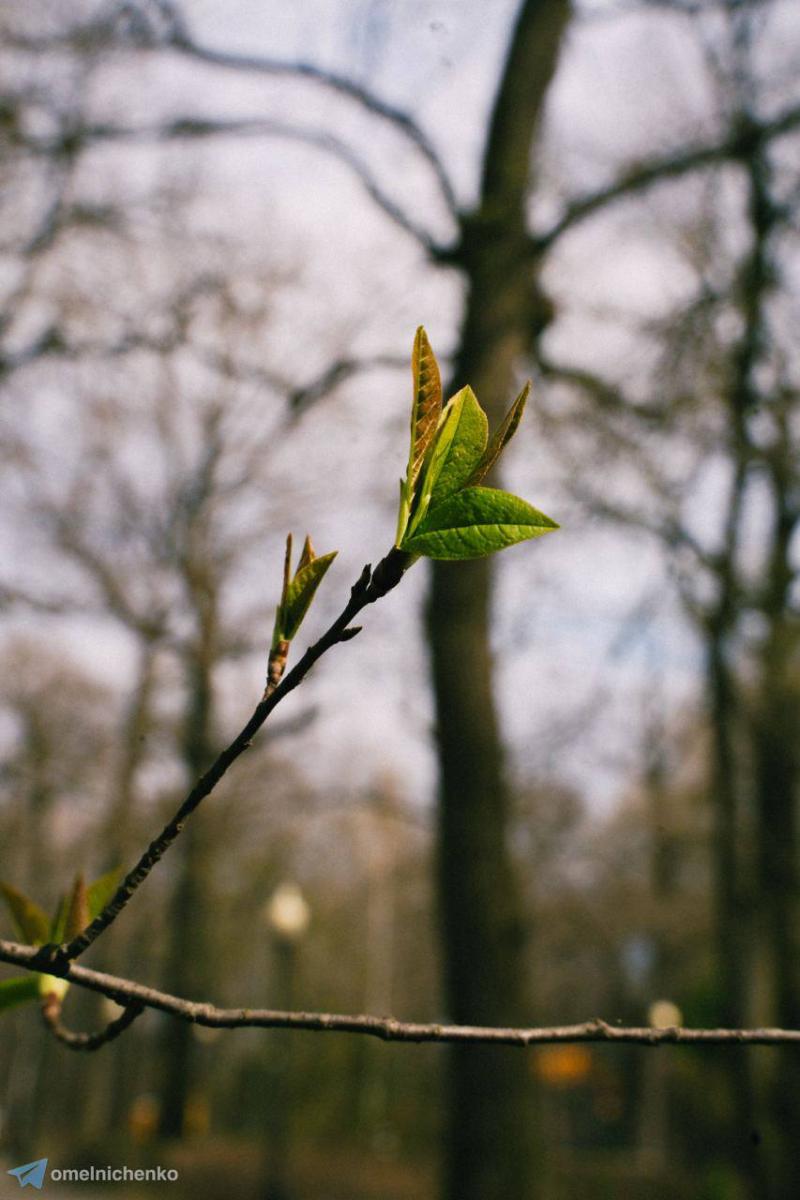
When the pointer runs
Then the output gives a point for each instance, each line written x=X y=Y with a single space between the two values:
x=737 y=147
x=163 y=26
x=190 y=128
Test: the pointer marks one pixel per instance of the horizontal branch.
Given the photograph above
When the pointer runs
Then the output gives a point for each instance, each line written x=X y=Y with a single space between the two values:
x=745 y=140
x=171 y=32
x=189 y=128
x=402 y=121
x=387 y=1029
x=302 y=396
x=371 y=586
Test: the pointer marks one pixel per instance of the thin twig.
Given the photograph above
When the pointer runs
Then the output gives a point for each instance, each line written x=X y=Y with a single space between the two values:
x=402 y=121
x=127 y=992
x=735 y=148
x=193 y=128
x=51 y=1015
x=174 y=35
x=371 y=586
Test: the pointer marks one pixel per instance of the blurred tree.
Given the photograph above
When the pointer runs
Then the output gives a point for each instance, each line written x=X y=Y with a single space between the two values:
x=500 y=254
x=723 y=415
x=55 y=763
x=492 y=1151
x=155 y=551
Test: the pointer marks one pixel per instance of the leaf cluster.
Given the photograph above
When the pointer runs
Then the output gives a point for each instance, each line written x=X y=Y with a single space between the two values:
x=298 y=589
x=445 y=511
x=75 y=909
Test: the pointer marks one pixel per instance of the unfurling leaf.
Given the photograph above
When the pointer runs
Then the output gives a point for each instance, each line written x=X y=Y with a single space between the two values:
x=301 y=592
x=59 y=920
x=460 y=442
x=426 y=408
x=30 y=921
x=308 y=555
x=501 y=437
x=297 y=592
x=77 y=917
x=426 y=403
x=474 y=522
x=287 y=567
x=19 y=990
x=101 y=891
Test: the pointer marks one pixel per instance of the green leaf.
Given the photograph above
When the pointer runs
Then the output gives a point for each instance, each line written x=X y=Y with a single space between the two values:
x=426 y=404
x=475 y=522
x=19 y=990
x=30 y=921
x=308 y=554
x=78 y=909
x=101 y=891
x=301 y=592
x=460 y=441
x=501 y=437
x=426 y=408
x=465 y=446
x=59 y=920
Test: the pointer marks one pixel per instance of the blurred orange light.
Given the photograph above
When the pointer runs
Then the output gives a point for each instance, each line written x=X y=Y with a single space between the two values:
x=562 y=1066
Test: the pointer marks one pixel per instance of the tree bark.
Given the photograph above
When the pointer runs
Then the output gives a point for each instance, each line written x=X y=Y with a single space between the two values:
x=777 y=785
x=186 y=924
x=489 y=1151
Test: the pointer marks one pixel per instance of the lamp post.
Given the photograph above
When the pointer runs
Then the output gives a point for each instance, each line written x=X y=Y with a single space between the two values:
x=286 y=915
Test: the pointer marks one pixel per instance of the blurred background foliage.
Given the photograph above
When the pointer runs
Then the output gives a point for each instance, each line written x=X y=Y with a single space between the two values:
x=220 y=226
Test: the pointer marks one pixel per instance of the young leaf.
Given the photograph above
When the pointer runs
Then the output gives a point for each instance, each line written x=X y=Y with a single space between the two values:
x=78 y=909
x=463 y=450
x=426 y=404
x=308 y=555
x=426 y=408
x=301 y=592
x=501 y=437
x=287 y=567
x=29 y=920
x=100 y=892
x=19 y=990
x=459 y=443
x=475 y=522
x=59 y=920
x=278 y=635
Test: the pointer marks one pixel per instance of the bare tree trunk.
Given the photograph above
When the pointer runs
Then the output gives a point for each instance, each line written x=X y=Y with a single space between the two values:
x=777 y=782
x=733 y=929
x=490 y=1145
x=184 y=974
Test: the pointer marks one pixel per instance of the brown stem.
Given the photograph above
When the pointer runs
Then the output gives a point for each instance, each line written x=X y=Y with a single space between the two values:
x=131 y=994
x=51 y=1015
x=371 y=586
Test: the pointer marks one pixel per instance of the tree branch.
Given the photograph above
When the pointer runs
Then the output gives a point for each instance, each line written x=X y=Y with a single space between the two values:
x=746 y=138
x=371 y=586
x=170 y=31
x=185 y=128
x=125 y=991
x=51 y=1015
x=406 y=124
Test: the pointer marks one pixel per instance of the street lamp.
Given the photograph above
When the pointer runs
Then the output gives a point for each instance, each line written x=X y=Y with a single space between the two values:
x=287 y=916
x=287 y=913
